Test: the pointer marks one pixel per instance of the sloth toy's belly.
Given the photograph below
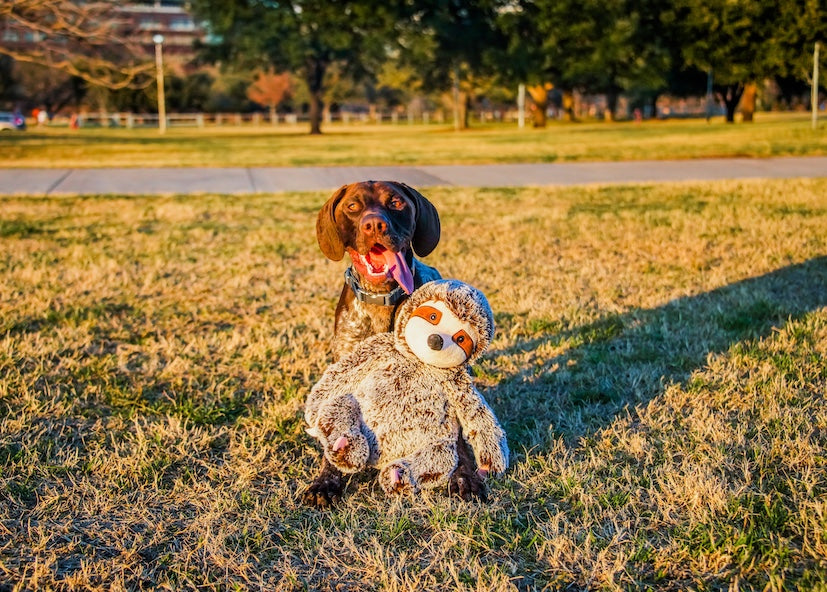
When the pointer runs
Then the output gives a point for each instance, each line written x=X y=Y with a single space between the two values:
x=405 y=412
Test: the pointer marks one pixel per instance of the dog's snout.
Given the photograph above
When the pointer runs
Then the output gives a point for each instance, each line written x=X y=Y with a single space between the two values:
x=373 y=224
x=435 y=342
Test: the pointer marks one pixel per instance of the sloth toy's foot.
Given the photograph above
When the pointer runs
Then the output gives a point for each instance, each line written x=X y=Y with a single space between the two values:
x=326 y=489
x=396 y=478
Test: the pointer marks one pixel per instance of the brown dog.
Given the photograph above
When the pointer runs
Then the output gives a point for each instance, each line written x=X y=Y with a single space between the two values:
x=380 y=225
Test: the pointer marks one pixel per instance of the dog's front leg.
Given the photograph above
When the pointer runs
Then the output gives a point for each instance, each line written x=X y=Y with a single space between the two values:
x=466 y=482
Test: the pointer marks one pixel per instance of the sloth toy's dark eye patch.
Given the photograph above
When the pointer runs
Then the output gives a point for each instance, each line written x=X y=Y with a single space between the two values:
x=429 y=313
x=462 y=339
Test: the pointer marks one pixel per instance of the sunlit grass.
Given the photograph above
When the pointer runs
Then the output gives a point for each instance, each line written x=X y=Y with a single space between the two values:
x=659 y=366
x=403 y=144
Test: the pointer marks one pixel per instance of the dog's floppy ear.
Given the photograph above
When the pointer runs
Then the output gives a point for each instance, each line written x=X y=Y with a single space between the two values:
x=327 y=233
x=427 y=230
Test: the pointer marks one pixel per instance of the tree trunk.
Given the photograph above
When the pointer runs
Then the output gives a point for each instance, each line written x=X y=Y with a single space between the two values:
x=568 y=106
x=464 y=109
x=460 y=122
x=653 y=106
x=611 y=106
x=539 y=96
x=730 y=98
x=273 y=116
x=316 y=113
x=315 y=84
x=461 y=99
x=748 y=101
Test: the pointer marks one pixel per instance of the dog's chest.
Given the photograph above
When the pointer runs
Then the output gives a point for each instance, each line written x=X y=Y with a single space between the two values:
x=358 y=322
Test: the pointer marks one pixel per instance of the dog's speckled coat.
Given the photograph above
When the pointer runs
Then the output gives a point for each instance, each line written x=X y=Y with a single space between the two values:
x=403 y=415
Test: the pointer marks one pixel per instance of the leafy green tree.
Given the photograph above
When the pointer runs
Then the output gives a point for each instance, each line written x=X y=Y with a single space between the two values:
x=451 y=43
x=799 y=25
x=745 y=41
x=398 y=84
x=191 y=92
x=588 y=45
x=725 y=37
x=306 y=37
x=49 y=88
x=9 y=85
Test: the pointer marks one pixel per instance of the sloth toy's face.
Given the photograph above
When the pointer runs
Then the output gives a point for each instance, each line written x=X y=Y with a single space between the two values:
x=438 y=337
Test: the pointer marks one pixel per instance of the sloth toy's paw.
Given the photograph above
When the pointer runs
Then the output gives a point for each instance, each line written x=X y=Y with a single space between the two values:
x=396 y=478
x=349 y=453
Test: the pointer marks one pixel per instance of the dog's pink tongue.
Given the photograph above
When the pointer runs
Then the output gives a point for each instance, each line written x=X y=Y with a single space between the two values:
x=398 y=268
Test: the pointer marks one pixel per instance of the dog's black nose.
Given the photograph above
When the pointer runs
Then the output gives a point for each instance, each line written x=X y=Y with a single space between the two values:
x=435 y=342
x=373 y=224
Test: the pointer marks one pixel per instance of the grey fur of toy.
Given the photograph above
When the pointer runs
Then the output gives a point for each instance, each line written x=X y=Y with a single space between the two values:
x=402 y=415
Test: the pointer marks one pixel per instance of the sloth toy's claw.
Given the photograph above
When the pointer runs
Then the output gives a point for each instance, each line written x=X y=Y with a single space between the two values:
x=340 y=443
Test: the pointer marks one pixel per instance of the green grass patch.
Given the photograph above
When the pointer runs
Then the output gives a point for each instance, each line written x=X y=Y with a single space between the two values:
x=355 y=145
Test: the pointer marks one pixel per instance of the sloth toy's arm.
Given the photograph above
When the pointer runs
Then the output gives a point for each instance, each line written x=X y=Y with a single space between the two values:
x=345 y=375
x=480 y=427
x=336 y=379
x=340 y=379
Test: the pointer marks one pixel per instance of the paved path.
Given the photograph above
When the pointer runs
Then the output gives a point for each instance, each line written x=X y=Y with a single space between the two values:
x=266 y=180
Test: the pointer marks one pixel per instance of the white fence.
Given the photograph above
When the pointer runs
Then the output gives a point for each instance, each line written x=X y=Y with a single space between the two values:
x=133 y=120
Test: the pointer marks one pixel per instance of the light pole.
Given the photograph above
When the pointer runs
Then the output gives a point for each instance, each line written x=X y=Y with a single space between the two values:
x=158 y=39
x=814 y=98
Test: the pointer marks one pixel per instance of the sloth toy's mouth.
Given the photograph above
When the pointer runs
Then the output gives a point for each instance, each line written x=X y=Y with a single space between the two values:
x=380 y=264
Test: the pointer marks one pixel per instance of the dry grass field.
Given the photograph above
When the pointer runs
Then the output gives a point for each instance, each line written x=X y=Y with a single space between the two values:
x=353 y=145
x=659 y=367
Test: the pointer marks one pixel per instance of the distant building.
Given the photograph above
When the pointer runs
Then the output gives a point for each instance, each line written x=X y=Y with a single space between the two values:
x=139 y=21
x=170 y=18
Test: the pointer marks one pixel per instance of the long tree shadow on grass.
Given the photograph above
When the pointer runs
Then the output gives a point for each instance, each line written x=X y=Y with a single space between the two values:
x=624 y=360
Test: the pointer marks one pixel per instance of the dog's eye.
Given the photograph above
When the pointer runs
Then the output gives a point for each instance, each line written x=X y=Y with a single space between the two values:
x=433 y=317
x=397 y=203
x=460 y=339
x=353 y=206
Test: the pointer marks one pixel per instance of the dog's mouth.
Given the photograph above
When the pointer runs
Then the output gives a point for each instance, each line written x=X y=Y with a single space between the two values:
x=380 y=264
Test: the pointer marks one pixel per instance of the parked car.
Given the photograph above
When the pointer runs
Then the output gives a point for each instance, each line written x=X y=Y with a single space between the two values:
x=11 y=121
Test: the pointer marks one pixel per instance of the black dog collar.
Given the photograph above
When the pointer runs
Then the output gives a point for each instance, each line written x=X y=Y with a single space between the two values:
x=391 y=298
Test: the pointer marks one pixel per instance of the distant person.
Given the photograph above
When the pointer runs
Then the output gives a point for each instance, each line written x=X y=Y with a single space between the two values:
x=42 y=117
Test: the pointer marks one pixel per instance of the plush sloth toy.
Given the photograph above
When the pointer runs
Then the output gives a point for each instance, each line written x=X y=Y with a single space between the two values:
x=398 y=401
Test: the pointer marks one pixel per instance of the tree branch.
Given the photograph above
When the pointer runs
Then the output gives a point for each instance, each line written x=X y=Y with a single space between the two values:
x=89 y=40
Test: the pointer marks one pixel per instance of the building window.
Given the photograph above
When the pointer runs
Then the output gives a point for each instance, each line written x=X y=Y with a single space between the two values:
x=182 y=24
x=150 y=23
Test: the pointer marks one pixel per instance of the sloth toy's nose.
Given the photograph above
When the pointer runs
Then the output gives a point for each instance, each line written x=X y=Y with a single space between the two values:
x=435 y=342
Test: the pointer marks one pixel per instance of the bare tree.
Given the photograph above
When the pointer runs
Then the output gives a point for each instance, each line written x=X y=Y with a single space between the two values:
x=90 y=40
